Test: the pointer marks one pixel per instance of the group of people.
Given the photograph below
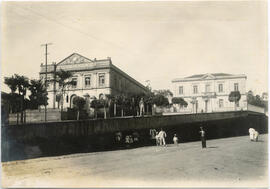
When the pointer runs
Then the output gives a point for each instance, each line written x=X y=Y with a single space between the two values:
x=161 y=136
x=253 y=134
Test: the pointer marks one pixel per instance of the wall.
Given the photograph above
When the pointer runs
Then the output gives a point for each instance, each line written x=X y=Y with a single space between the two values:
x=94 y=135
x=256 y=109
x=34 y=116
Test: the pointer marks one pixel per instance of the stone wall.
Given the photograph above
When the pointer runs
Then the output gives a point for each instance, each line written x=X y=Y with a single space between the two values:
x=57 y=138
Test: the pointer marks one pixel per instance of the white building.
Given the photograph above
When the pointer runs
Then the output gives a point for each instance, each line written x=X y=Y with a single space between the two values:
x=210 y=92
x=92 y=77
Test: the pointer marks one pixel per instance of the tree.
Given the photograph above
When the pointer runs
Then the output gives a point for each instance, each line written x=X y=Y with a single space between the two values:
x=20 y=83
x=104 y=102
x=160 y=100
x=38 y=95
x=62 y=78
x=234 y=96
x=121 y=101
x=149 y=101
x=163 y=92
x=180 y=101
x=255 y=100
x=95 y=104
x=79 y=103
x=11 y=100
x=11 y=82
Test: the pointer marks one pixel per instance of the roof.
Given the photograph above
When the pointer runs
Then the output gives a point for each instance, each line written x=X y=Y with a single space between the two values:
x=209 y=76
x=82 y=63
x=214 y=74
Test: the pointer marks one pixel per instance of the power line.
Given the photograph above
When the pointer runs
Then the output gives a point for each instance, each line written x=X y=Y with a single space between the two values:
x=74 y=29
x=46 y=58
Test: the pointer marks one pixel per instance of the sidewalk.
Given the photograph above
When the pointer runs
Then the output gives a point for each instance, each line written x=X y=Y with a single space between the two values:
x=226 y=162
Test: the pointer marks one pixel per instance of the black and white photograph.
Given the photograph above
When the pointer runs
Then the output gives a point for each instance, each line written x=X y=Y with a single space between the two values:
x=98 y=94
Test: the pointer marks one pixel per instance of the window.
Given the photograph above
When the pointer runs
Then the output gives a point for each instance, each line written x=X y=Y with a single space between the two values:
x=220 y=103
x=74 y=82
x=120 y=84
x=220 y=88
x=207 y=88
x=195 y=89
x=236 y=87
x=87 y=81
x=101 y=79
x=237 y=104
x=115 y=81
x=181 y=90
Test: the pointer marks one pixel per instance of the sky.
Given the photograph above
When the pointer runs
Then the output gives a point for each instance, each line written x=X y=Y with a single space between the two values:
x=157 y=41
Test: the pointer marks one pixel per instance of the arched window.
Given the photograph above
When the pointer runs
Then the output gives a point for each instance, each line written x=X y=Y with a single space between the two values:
x=101 y=96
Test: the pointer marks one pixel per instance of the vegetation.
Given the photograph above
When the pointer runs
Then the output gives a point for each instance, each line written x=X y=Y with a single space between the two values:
x=62 y=78
x=116 y=105
x=256 y=100
x=79 y=103
x=180 y=101
x=38 y=95
x=234 y=96
x=20 y=84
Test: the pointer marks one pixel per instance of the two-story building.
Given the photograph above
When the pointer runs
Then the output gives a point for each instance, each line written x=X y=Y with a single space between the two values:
x=91 y=78
x=210 y=92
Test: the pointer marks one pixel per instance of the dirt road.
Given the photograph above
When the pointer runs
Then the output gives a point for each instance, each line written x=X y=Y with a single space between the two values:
x=226 y=162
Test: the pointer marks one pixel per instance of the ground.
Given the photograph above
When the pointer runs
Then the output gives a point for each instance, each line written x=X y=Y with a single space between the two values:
x=225 y=162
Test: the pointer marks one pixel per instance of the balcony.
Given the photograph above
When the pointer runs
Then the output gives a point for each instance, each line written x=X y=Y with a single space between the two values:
x=209 y=94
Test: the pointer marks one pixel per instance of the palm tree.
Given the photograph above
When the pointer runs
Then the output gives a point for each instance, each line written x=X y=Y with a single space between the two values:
x=79 y=103
x=95 y=105
x=20 y=83
x=62 y=78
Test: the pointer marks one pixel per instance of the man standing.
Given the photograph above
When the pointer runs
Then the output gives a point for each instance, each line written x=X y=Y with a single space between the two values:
x=141 y=105
x=202 y=132
x=162 y=135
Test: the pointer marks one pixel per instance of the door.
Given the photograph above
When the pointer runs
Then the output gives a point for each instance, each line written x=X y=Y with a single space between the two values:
x=206 y=105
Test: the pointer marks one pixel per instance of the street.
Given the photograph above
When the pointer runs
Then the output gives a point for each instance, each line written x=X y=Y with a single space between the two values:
x=225 y=162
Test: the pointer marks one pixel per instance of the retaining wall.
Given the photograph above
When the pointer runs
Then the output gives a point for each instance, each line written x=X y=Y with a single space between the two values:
x=56 y=138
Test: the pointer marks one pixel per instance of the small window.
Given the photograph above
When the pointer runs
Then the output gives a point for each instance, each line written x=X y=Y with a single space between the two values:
x=87 y=81
x=74 y=82
x=207 y=88
x=221 y=103
x=101 y=79
x=181 y=90
x=236 y=87
x=220 y=88
x=195 y=89
x=115 y=81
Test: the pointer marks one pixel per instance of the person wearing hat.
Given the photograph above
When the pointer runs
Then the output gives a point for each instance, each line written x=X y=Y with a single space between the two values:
x=202 y=132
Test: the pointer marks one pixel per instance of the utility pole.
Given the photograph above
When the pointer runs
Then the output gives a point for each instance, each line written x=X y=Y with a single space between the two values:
x=46 y=57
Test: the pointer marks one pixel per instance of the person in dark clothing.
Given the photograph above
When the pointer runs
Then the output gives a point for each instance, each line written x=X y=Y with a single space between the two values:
x=202 y=132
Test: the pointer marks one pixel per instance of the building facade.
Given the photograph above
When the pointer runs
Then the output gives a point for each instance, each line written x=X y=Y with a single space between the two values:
x=91 y=78
x=210 y=92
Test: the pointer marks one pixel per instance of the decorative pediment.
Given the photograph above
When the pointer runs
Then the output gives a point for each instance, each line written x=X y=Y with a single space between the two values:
x=75 y=59
x=208 y=76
